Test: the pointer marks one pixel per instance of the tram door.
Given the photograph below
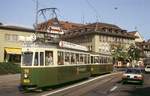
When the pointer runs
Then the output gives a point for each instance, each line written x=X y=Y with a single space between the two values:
x=39 y=59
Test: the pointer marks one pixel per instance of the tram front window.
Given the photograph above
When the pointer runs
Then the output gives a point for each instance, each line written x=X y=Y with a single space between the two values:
x=27 y=58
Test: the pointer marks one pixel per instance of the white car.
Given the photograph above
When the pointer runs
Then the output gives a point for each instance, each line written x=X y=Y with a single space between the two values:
x=147 y=68
x=133 y=75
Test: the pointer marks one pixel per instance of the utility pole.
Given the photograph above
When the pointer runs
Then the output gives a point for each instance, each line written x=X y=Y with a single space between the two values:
x=36 y=17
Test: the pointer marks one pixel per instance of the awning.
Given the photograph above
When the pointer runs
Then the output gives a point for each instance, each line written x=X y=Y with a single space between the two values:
x=13 y=50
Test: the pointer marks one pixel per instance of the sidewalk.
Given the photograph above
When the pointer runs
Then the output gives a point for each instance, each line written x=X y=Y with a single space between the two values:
x=9 y=78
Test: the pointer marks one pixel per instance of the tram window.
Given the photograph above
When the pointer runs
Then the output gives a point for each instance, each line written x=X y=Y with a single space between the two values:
x=88 y=59
x=108 y=60
x=41 y=59
x=105 y=59
x=72 y=58
x=36 y=59
x=85 y=59
x=27 y=58
x=48 y=58
x=81 y=58
x=96 y=59
x=100 y=60
x=60 y=58
x=67 y=59
x=77 y=58
x=91 y=59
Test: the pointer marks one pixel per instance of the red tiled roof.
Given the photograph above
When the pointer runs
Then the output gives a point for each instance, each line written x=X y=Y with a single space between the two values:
x=98 y=28
x=65 y=25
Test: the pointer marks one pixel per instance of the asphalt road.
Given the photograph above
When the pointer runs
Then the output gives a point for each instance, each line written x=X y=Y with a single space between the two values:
x=116 y=88
x=107 y=86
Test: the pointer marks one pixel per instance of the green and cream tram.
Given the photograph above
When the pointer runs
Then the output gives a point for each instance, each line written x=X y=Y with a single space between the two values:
x=44 y=65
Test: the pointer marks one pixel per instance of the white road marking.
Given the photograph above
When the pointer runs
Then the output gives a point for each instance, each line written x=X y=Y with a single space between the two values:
x=114 y=88
x=72 y=86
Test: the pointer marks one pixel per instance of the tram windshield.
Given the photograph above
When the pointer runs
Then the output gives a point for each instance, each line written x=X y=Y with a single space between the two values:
x=27 y=58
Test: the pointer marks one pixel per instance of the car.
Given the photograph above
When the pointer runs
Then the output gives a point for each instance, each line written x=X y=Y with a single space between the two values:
x=147 y=68
x=134 y=75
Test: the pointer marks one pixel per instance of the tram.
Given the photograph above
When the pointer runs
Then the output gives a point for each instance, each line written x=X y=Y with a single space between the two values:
x=47 y=61
x=52 y=64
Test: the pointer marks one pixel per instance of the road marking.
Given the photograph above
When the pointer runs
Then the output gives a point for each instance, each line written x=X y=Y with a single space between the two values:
x=114 y=88
x=72 y=86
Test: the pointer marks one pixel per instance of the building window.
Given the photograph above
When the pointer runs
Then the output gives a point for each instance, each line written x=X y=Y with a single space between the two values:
x=11 y=37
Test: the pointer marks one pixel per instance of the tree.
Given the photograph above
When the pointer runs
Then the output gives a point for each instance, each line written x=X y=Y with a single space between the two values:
x=134 y=54
x=119 y=53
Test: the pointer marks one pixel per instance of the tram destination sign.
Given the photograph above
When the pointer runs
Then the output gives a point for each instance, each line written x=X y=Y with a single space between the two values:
x=55 y=30
x=65 y=44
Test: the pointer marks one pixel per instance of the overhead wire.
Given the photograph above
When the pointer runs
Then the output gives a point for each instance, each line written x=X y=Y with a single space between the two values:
x=94 y=9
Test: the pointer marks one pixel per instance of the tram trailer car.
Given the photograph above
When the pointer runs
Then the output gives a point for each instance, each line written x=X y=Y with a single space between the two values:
x=100 y=64
x=52 y=66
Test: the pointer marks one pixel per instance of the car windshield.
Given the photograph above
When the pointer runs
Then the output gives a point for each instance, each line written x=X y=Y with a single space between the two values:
x=27 y=58
x=134 y=71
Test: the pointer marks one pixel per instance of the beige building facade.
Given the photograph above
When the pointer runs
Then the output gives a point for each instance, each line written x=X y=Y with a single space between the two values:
x=100 y=37
x=10 y=49
x=139 y=37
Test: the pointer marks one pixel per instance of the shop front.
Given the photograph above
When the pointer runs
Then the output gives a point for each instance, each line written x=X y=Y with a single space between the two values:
x=12 y=55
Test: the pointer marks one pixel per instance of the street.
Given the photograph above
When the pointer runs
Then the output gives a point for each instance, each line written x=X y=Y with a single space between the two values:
x=116 y=88
x=108 y=85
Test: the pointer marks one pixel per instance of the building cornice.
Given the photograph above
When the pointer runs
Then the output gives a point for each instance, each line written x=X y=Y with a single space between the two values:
x=16 y=28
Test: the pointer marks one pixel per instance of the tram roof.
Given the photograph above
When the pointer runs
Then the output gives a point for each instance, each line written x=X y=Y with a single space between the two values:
x=50 y=45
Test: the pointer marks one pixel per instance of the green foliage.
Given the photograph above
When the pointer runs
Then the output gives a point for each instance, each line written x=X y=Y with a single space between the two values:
x=9 y=68
x=134 y=53
x=121 y=53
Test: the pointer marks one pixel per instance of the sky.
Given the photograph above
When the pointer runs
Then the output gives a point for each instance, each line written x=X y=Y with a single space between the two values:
x=130 y=15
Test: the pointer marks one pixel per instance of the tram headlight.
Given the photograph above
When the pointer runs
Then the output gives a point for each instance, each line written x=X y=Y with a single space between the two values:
x=25 y=75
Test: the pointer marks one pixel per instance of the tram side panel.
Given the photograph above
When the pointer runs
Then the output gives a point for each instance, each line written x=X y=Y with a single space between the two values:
x=98 y=69
x=72 y=73
x=51 y=76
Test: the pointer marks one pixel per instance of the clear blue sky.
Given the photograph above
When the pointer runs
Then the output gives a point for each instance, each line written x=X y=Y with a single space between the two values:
x=127 y=14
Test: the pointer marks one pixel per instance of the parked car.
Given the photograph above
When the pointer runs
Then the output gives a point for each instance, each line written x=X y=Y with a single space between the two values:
x=133 y=75
x=147 y=68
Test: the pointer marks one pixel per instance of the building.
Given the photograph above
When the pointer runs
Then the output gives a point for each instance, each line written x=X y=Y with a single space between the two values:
x=139 y=37
x=97 y=37
x=10 y=49
x=145 y=47
x=145 y=51
x=100 y=37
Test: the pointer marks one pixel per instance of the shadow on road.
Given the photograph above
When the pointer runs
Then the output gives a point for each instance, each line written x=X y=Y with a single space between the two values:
x=140 y=92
